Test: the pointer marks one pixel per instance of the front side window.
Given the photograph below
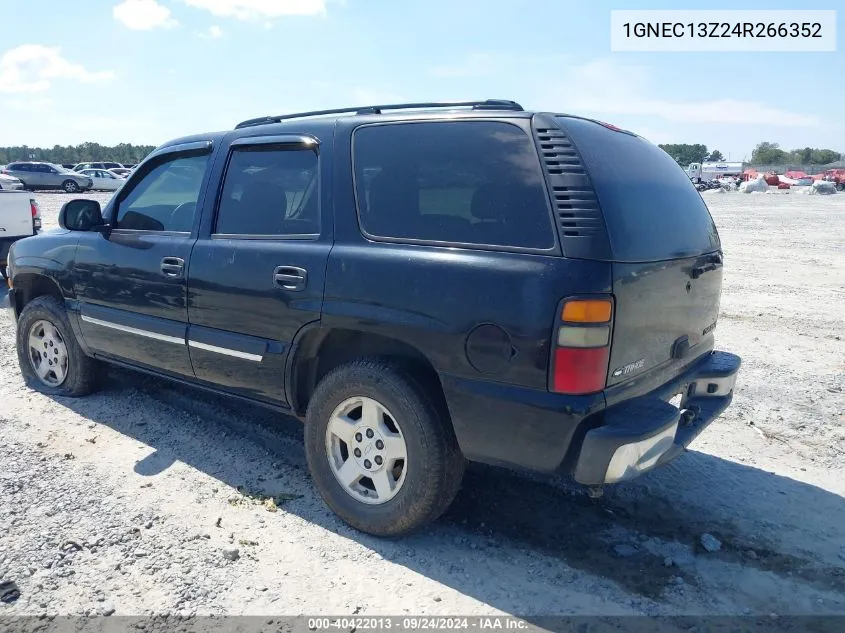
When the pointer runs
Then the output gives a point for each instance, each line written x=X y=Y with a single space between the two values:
x=165 y=199
x=469 y=182
x=270 y=190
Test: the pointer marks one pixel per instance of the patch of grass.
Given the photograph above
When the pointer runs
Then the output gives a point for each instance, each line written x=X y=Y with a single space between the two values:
x=270 y=502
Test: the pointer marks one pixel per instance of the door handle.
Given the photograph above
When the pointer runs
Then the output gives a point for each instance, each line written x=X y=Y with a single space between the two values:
x=173 y=266
x=712 y=264
x=291 y=278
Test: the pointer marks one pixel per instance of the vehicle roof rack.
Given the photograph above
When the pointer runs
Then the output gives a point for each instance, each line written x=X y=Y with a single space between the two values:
x=489 y=104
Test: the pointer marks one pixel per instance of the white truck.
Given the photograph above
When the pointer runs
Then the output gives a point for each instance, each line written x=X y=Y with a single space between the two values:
x=706 y=171
x=20 y=217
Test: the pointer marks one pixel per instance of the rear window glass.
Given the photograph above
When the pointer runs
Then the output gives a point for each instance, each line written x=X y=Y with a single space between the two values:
x=651 y=208
x=467 y=182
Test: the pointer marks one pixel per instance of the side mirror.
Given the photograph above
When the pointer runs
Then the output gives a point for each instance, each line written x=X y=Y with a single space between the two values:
x=81 y=215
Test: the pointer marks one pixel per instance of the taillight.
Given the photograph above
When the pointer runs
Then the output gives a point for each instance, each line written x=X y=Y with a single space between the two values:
x=581 y=349
x=36 y=215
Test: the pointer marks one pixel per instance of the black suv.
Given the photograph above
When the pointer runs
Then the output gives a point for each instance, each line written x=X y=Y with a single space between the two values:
x=423 y=284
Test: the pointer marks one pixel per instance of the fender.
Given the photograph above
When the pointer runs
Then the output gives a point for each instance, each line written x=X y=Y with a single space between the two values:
x=56 y=272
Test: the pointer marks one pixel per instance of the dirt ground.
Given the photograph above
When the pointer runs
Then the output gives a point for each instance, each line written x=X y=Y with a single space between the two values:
x=134 y=500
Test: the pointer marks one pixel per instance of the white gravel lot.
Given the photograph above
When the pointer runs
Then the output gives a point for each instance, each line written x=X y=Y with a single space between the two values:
x=130 y=501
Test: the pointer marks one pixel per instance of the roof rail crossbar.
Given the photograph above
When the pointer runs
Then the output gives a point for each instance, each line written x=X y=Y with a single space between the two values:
x=489 y=104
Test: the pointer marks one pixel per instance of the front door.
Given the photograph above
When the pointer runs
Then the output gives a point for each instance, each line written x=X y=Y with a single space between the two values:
x=258 y=268
x=131 y=282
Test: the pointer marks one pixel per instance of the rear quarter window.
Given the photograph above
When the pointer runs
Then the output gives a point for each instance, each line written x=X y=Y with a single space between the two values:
x=458 y=182
x=651 y=209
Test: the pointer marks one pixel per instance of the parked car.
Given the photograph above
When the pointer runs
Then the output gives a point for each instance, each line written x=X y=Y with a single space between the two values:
x=103 y=165
x=36 y=175
x=103 y=179
x=10 y=183
x=422 y=284
x=68 y=166
x=121 y=172
x=20 y=217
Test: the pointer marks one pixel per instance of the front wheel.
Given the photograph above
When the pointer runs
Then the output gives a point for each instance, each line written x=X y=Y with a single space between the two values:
x=381 y=452
x=50 y=359
x=70 y=186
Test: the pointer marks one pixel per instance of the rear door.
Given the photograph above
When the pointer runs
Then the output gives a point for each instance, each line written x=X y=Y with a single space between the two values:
x=35 y=175
x=131 y=283
x=258 y=270
x=664 y=248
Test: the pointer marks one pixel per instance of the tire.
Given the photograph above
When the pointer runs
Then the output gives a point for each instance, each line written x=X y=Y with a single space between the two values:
x=433 y=468
x=70 y=186
x=80 y=373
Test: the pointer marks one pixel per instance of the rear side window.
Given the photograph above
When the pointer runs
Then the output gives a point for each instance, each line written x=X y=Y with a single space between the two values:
x=461 y=182
x=651 y=209
x=270 y=190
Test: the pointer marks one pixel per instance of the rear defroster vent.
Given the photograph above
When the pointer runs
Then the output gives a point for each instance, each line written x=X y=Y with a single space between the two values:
x=579 y=219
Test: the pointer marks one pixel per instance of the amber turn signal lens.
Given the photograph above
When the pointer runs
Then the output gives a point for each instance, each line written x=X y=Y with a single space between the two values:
x=587 y=311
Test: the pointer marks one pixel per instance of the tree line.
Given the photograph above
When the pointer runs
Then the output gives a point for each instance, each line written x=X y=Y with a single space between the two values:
x=764 y=154
x=123 y=153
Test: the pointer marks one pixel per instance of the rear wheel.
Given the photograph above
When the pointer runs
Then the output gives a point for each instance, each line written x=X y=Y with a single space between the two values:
x=50 y=359
x=381 y=452
x=70 y=186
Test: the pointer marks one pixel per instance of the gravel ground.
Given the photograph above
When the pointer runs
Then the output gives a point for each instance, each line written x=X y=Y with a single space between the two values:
x=147 y=498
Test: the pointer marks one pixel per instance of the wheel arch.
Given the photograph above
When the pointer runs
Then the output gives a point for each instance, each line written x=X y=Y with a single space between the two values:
x=319 y=350
x=30 y=285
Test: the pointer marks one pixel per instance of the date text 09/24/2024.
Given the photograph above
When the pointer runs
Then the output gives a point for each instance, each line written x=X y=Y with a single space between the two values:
x=418 y=623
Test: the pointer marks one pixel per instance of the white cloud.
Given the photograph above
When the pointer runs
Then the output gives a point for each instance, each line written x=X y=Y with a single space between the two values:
x=213 y=33
x=143 y=15
x=260 y=9
x=605 y=86
x=29 y=104
x=32 y=67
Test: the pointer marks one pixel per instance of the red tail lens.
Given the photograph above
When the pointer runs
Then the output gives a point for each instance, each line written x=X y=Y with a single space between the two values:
x=580 y=371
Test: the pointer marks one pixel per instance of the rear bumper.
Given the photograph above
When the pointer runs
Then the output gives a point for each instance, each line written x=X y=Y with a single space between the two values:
x=640 y=434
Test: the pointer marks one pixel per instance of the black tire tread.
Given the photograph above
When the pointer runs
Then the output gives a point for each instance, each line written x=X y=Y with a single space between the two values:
x=423 y=499
x=83 y=371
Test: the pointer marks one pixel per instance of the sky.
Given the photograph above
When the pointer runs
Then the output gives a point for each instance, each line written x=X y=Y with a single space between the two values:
x=146 y=71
